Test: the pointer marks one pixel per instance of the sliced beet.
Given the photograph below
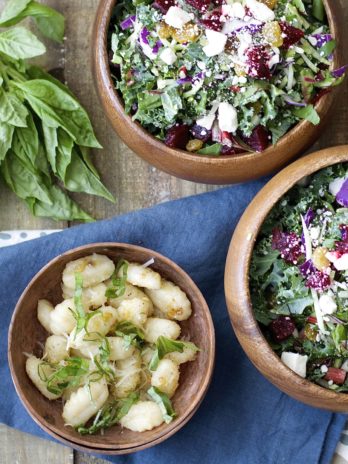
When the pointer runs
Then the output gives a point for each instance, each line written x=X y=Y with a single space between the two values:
x=163 y=5
x=282 y=328
x=177 y=136
x=258 y=140
x=213 y=24
x=338 y=376
x=257 y=59
x=288 y=244
x=319 y=281
x=201 y=133
x=291 y=35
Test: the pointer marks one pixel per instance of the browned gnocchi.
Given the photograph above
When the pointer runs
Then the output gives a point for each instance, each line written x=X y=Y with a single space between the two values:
x=113 y=350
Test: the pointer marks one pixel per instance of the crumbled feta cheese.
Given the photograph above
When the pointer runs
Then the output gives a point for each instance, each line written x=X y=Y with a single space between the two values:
x=207 y=121
x=296 y=362
x=274 y=60
x=335 y=186
x=260 y=11
x=314 y=233
x=312 y=40
x=216 y=42
x=168 y=56
x=330 y=382
x=345 y=365
x=176 y=17
x=228 y=119
x=327 y=304
x=341 y=264
x=202 y=66
x=324 y=369
x=236 y=10
x=230 y=26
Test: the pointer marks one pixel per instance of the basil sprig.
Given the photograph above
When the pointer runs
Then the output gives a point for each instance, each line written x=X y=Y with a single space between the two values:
x=163 y=402
x=118 y=283
x=166 y=345
x=110 y=415
x=65 y=375
x=131 y=334
x=45 y=134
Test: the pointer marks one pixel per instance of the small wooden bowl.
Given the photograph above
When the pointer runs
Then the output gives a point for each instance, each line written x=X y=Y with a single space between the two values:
x=25 y=333
x=198 y=168
x=237 y=284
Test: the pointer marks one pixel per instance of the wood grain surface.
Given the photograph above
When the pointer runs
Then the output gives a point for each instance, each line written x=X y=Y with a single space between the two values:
x=134 y=183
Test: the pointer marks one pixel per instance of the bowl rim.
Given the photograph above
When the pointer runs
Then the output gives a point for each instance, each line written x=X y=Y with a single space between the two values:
x=171 y=428
x=237 y=285
x=105 y=84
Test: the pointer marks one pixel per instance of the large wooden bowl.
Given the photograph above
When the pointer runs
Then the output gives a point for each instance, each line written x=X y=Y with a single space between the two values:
x=25 y=333
x=237 y=284
x=198 y=168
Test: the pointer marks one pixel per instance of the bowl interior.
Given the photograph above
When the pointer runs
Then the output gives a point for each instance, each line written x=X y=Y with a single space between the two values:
x=26 y=334
x=208 y=169
x=237 y=283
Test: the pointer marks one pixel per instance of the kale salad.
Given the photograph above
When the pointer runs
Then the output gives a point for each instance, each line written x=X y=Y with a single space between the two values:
x=299 y=278
x=221 y=77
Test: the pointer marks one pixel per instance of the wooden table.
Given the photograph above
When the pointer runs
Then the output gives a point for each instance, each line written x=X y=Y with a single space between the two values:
x=134 y=183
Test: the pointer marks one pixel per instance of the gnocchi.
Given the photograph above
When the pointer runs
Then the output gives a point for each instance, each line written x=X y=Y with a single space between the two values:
x=144 y=415
x=114 y=340
x=166 y=377
x=156 y=327
x=171 y=300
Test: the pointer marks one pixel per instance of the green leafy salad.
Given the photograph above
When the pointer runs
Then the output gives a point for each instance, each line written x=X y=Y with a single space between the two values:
x=299 y=278
x=220 y=77
x=113 y=352
x=45 y=134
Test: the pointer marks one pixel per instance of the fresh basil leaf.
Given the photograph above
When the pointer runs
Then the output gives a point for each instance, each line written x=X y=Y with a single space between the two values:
x=309 y=113
x=67 y=375
x=118 y=284
x=25 y=182
x=131 y=334
x=26 y=140
x=110 y=415
x=19 y=43
x=35 y=72
x=12 y=9
x=79 y=178
x=210 y=150
x=64 y=150
x=51 y=144
x=12 y=110
x=62 y=209
x=50 y=22
x=85 y=154
x=44 y=112
x=71 y=115
x=6 y=134
x=163 y=402
x=166 y=345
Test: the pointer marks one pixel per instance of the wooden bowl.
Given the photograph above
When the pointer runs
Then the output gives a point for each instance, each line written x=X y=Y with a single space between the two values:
x=25 y=333
x=198 y=168
x=237 y=284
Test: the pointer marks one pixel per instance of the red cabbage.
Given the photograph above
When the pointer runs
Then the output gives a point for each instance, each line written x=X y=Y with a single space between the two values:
x=340 y=71
x=342 y=195
x=128 y=22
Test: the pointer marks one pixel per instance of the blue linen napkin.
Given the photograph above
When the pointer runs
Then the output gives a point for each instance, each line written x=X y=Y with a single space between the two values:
x=243 y=419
